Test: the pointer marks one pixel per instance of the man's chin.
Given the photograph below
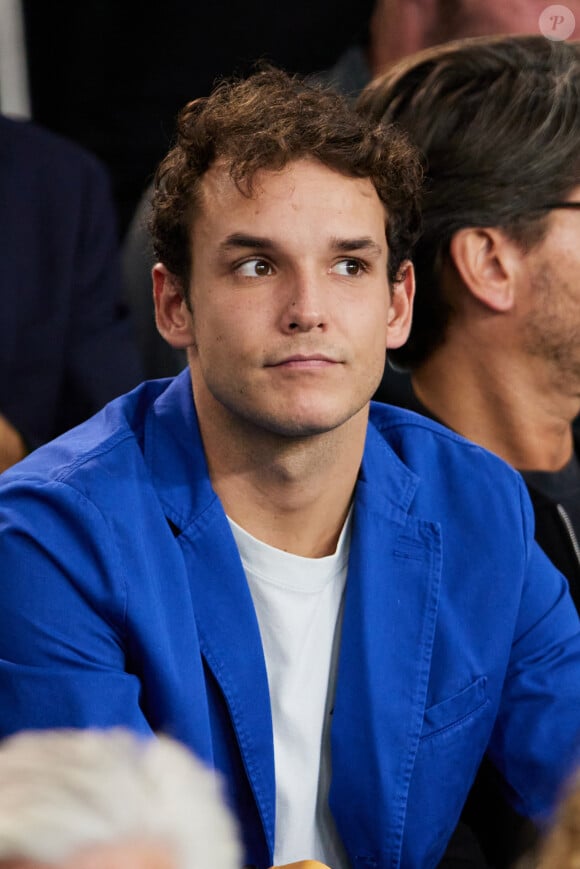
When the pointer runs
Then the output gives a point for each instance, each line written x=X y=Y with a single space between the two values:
x=288 y=417
x=308 y=425
x=300 y=431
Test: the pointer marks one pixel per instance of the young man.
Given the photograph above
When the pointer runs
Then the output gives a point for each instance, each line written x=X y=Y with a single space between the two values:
x=341 y=613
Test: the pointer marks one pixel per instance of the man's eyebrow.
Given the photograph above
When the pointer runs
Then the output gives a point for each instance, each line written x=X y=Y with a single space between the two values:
x=240 y=239
x=342 y=245
x=365 y=243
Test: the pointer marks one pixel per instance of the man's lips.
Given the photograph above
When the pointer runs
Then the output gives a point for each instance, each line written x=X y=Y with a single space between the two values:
x=304 y=360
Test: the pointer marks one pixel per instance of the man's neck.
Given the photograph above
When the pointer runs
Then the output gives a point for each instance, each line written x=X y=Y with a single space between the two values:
x=505 y=405
x=292 y=493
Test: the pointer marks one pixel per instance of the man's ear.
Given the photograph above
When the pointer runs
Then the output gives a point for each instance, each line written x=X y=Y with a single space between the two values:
x=172 y=315
x=487 y=262
x=401 y=307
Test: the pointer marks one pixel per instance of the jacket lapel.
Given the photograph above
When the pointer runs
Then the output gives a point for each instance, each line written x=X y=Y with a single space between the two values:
x=224 y=611
x=387 y=639
x=231 y=645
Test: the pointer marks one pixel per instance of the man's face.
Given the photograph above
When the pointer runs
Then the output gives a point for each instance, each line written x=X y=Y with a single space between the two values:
x=550 y=309
x=290 y=299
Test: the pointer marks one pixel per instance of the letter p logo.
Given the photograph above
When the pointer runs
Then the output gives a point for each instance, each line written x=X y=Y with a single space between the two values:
x=557 y=23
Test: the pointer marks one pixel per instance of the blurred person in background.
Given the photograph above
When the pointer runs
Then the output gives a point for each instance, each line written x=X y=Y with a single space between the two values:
x=66 y=341
x=560 y=847
x=107 y=799
x=398 y=28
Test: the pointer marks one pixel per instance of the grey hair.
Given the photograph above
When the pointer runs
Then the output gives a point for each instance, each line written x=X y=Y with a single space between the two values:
x=498 y=121
x=63 y=790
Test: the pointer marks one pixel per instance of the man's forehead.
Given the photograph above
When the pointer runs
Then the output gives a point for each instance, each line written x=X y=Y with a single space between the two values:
x=222 y=182
x=219 y=181
x=306 y=206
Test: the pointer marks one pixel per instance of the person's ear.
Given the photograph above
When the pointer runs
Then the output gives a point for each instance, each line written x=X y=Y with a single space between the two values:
x=487 y=261
x=401 y=306
x=172 y=314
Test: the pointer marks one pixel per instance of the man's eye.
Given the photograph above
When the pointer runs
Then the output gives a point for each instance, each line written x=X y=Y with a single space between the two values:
x=254 y=268
x=350 y=268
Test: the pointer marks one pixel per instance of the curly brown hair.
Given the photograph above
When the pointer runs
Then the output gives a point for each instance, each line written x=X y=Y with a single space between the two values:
x=265 y=122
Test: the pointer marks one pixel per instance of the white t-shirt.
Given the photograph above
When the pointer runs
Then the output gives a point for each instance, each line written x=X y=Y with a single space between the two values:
x=298 y=603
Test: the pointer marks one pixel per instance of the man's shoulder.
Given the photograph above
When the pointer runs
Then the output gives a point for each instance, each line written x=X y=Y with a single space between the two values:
x=399 y=423
x=109 y=444
x=425 y=445
x=434 y=474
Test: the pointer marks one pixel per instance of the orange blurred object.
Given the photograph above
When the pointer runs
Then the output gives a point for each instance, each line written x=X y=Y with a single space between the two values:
x=303 y=864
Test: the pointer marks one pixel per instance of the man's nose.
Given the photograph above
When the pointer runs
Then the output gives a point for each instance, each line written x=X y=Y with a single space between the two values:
x=304 y=305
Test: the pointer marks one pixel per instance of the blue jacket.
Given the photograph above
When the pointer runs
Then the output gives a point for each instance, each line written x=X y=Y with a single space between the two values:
x=123 y=601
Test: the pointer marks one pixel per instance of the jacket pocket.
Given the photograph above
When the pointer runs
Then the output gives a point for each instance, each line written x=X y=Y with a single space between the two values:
x=454 y=710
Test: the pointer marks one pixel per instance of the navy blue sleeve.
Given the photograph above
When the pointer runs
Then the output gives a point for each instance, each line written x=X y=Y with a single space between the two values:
x=66 y=342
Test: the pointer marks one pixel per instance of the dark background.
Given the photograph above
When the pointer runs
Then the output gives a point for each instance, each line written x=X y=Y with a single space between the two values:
x=112 y=74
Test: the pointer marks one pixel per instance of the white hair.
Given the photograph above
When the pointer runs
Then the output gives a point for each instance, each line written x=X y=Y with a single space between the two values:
x=63 y=790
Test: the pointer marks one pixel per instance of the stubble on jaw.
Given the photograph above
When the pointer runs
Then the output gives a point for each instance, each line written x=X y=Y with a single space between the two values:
x=551 y=327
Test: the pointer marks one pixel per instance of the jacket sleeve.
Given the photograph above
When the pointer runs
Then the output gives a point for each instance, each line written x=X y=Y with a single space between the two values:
x=60 y=285
x=536 y=738
x=62 y=615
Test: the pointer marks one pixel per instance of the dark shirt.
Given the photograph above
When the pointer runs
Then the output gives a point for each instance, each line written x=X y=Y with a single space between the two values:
x=560 y=492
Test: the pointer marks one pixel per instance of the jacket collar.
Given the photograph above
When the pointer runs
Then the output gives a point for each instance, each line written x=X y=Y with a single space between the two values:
x=224 y=612
x=174 y=454
x=176 y=459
